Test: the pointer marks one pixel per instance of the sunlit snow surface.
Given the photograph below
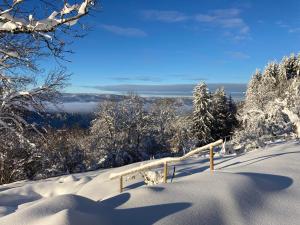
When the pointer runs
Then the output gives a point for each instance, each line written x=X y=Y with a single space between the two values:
x=260 y=187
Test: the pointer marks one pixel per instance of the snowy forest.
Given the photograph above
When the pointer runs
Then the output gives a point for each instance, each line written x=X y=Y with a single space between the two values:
x=127 y=131
x=130 y=131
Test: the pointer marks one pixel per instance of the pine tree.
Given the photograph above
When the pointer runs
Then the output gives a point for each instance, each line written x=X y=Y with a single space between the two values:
x=272 y=103
x=290 y=66
x=220 y=113
x=231 y=122
x=202 y=116
x=269 y=82
x=252 y=98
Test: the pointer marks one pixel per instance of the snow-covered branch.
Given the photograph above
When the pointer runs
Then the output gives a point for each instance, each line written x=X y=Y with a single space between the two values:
x=68 y=15
x=14 y=103
x=26 y=35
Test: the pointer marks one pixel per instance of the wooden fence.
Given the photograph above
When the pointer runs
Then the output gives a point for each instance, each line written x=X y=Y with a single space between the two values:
x=166 y=161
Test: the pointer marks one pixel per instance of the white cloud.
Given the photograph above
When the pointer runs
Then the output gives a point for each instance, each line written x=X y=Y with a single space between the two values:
x=204 y=18
x=288 y=27
x=232 y=12
x=294 y=30
x=229 y=20
x=164 y=16
x=282 y=24
x=124 y=31
x=238 y=55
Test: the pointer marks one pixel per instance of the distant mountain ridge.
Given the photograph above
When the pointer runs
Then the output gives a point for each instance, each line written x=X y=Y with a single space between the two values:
x=88 y=102
x=237 y=90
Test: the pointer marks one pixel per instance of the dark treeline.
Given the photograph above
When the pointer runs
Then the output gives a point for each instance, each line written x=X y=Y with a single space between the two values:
x=59 y=120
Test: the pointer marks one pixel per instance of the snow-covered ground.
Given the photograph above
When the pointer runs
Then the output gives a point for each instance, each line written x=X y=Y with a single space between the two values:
x=260 y=187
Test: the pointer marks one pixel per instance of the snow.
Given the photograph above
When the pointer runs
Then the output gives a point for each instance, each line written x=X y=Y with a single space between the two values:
x=260 y=187
x=68 y=9
x=9 y=26
x=83 y=7
x=43 y=25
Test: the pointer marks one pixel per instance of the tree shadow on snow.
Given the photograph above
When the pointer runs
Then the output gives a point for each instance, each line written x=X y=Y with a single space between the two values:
x=196 y=161
x=139 y=215
x=257 y=159
x=134 y=185
x=156 y=189
x=189 y=171
x=250 y=196
x=14 y=200
x=269 y=182
x=253 y=196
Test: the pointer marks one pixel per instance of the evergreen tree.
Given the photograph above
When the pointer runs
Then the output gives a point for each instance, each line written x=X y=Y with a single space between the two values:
x=269 y=82
x=202 y=116
x=220 y=113
x=231 y=121
x=290 y=66
x=272 y=103
x=252 y=97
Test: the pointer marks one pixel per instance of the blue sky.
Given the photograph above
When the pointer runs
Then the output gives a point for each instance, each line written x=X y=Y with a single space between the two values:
x=142 y=42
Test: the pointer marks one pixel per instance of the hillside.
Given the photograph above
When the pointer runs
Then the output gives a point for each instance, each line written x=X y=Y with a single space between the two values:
x=260 y=187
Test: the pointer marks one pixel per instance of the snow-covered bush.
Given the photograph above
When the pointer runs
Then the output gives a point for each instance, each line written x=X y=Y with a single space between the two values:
x=15 y=158
x=60 y=152
x=153 y=177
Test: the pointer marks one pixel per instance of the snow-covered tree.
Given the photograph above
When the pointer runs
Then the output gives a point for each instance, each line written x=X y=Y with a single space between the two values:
x=220 y=112
x=105 y=132
x=16 y=19
x=252 y=96
x=163 y=117
x=202 y=114
x=119 y=131
x=62 y=152
x=15 y=158
x=272 y=103
x=269 y=84
x=26 y=35
x=31 y=31
x=182 y=140
x=290 y=67
x=231 y=119
x=136 y=122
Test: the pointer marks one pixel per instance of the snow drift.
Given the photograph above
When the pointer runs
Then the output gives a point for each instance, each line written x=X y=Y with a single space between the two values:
x=260 y=187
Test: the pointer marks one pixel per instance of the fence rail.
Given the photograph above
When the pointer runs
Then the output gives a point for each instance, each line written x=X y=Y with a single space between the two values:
x=166 y=161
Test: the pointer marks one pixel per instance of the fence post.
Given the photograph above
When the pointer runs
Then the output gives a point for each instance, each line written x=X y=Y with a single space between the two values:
x=165 y=172
x=211 y=158
x=121 y=184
